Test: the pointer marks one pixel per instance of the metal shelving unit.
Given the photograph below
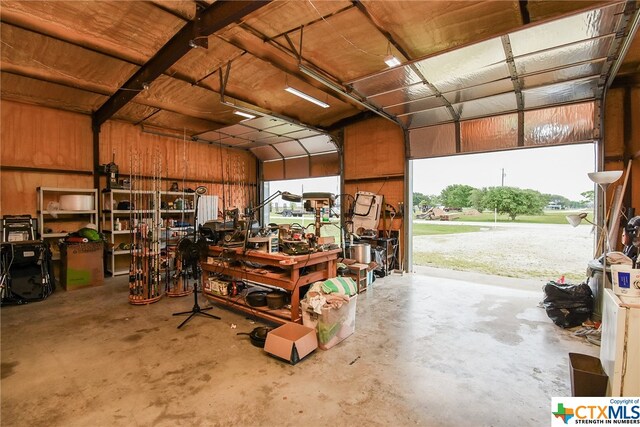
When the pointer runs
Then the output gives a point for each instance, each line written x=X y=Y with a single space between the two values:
x=118 y=260
x=54 y=224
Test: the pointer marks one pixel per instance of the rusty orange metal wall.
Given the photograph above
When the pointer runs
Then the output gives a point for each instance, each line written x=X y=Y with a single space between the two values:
x=46 y=138
x=39 y=144
x=225 y=172
x=303 y=167
x=622 y=140
x=43 y=140
x=196 y=161
x=374 y=158
x=325 y=165
x=373 y=148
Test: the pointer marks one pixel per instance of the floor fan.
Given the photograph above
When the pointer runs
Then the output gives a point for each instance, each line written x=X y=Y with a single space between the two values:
x=191 y=252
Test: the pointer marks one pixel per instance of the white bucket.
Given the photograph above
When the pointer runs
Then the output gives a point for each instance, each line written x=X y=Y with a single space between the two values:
x=76 y=202
x=625 y=280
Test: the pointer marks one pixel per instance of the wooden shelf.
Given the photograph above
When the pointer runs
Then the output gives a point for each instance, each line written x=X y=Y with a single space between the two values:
x=47 y=235
x=122 y=211
x=281 y=280
x=177 y=211
x=281 y=270
x=92 y=212
x=281 y=315
x=117 y=231
x=67 y=190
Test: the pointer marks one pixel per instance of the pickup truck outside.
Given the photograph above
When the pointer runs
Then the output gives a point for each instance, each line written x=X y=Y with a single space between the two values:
x=300 y=212
x=290 y=212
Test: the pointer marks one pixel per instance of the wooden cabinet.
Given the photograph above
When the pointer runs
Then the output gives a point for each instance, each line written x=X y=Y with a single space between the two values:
x=278 y=270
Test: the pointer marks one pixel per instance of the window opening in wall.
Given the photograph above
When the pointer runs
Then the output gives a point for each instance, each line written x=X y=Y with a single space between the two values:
x=280 y=211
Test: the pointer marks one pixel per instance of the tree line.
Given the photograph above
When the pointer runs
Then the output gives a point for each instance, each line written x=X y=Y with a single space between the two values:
x=511 y=201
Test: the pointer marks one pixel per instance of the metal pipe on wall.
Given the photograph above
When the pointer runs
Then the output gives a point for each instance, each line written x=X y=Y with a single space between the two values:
x=600 y=144
x=407 y=216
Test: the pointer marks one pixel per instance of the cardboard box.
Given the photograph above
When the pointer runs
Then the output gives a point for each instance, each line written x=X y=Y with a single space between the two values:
x=82 y=265
x=291 y=342
x=333 y=325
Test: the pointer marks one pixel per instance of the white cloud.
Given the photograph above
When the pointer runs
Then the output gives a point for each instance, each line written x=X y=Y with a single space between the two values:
x=551 y=170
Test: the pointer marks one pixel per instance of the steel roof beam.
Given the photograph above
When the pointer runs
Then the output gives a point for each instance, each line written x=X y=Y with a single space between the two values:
x=207 y=22
x=270 y=55
x=363 y=9
x=320 y=19
x=523 y=5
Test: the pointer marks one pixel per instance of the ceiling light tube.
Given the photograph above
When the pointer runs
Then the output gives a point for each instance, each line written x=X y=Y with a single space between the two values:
x=271 y=114
x=243 y=114
x=309 y=98
x=391 y=61
x=331 y=85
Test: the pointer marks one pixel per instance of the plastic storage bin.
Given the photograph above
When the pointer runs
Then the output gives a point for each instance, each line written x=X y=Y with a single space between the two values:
x=333 y=325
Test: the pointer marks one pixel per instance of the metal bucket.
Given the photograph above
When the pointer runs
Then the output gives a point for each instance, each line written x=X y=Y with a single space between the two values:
x=361 y=252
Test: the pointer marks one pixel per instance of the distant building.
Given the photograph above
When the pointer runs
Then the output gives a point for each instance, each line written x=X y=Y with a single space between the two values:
x=554 y=206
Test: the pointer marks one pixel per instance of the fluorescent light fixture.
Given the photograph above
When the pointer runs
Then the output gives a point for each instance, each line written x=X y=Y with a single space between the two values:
x=243 y=114
x=391 y=61
x=333 y=86
x=309 y=98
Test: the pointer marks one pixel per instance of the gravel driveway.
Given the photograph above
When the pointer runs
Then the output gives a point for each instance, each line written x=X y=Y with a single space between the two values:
x=537 y=251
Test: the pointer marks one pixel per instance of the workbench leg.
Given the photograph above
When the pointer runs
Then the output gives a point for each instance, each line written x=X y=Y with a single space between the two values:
x=332 y=268
x=295 y=304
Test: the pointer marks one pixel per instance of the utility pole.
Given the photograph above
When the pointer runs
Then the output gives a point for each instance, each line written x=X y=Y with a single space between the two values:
x=503 y=175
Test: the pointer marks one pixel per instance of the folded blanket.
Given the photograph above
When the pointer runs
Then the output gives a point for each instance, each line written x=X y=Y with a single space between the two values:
x=340 y=285
x=618 y=258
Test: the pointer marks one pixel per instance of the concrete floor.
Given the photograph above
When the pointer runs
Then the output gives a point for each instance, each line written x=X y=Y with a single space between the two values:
x=430 y=351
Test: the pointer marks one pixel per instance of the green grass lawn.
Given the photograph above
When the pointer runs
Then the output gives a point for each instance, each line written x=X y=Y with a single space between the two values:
x=451 y=262
x=432 y=228
x=549 y=217
x=439 y=260
x=454 y=262
x=419 y=229
x=330 y=228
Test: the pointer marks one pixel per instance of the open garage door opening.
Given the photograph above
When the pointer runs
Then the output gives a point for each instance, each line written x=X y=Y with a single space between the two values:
x=504 y=213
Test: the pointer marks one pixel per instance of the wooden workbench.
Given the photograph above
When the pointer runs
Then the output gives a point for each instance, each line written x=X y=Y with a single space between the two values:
x=280 y=270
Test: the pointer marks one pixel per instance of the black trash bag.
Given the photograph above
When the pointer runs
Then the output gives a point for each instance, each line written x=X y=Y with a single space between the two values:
x=568 y=305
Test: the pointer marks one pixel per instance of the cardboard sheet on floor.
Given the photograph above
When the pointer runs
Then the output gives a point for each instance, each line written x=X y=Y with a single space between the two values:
x=291 y=342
